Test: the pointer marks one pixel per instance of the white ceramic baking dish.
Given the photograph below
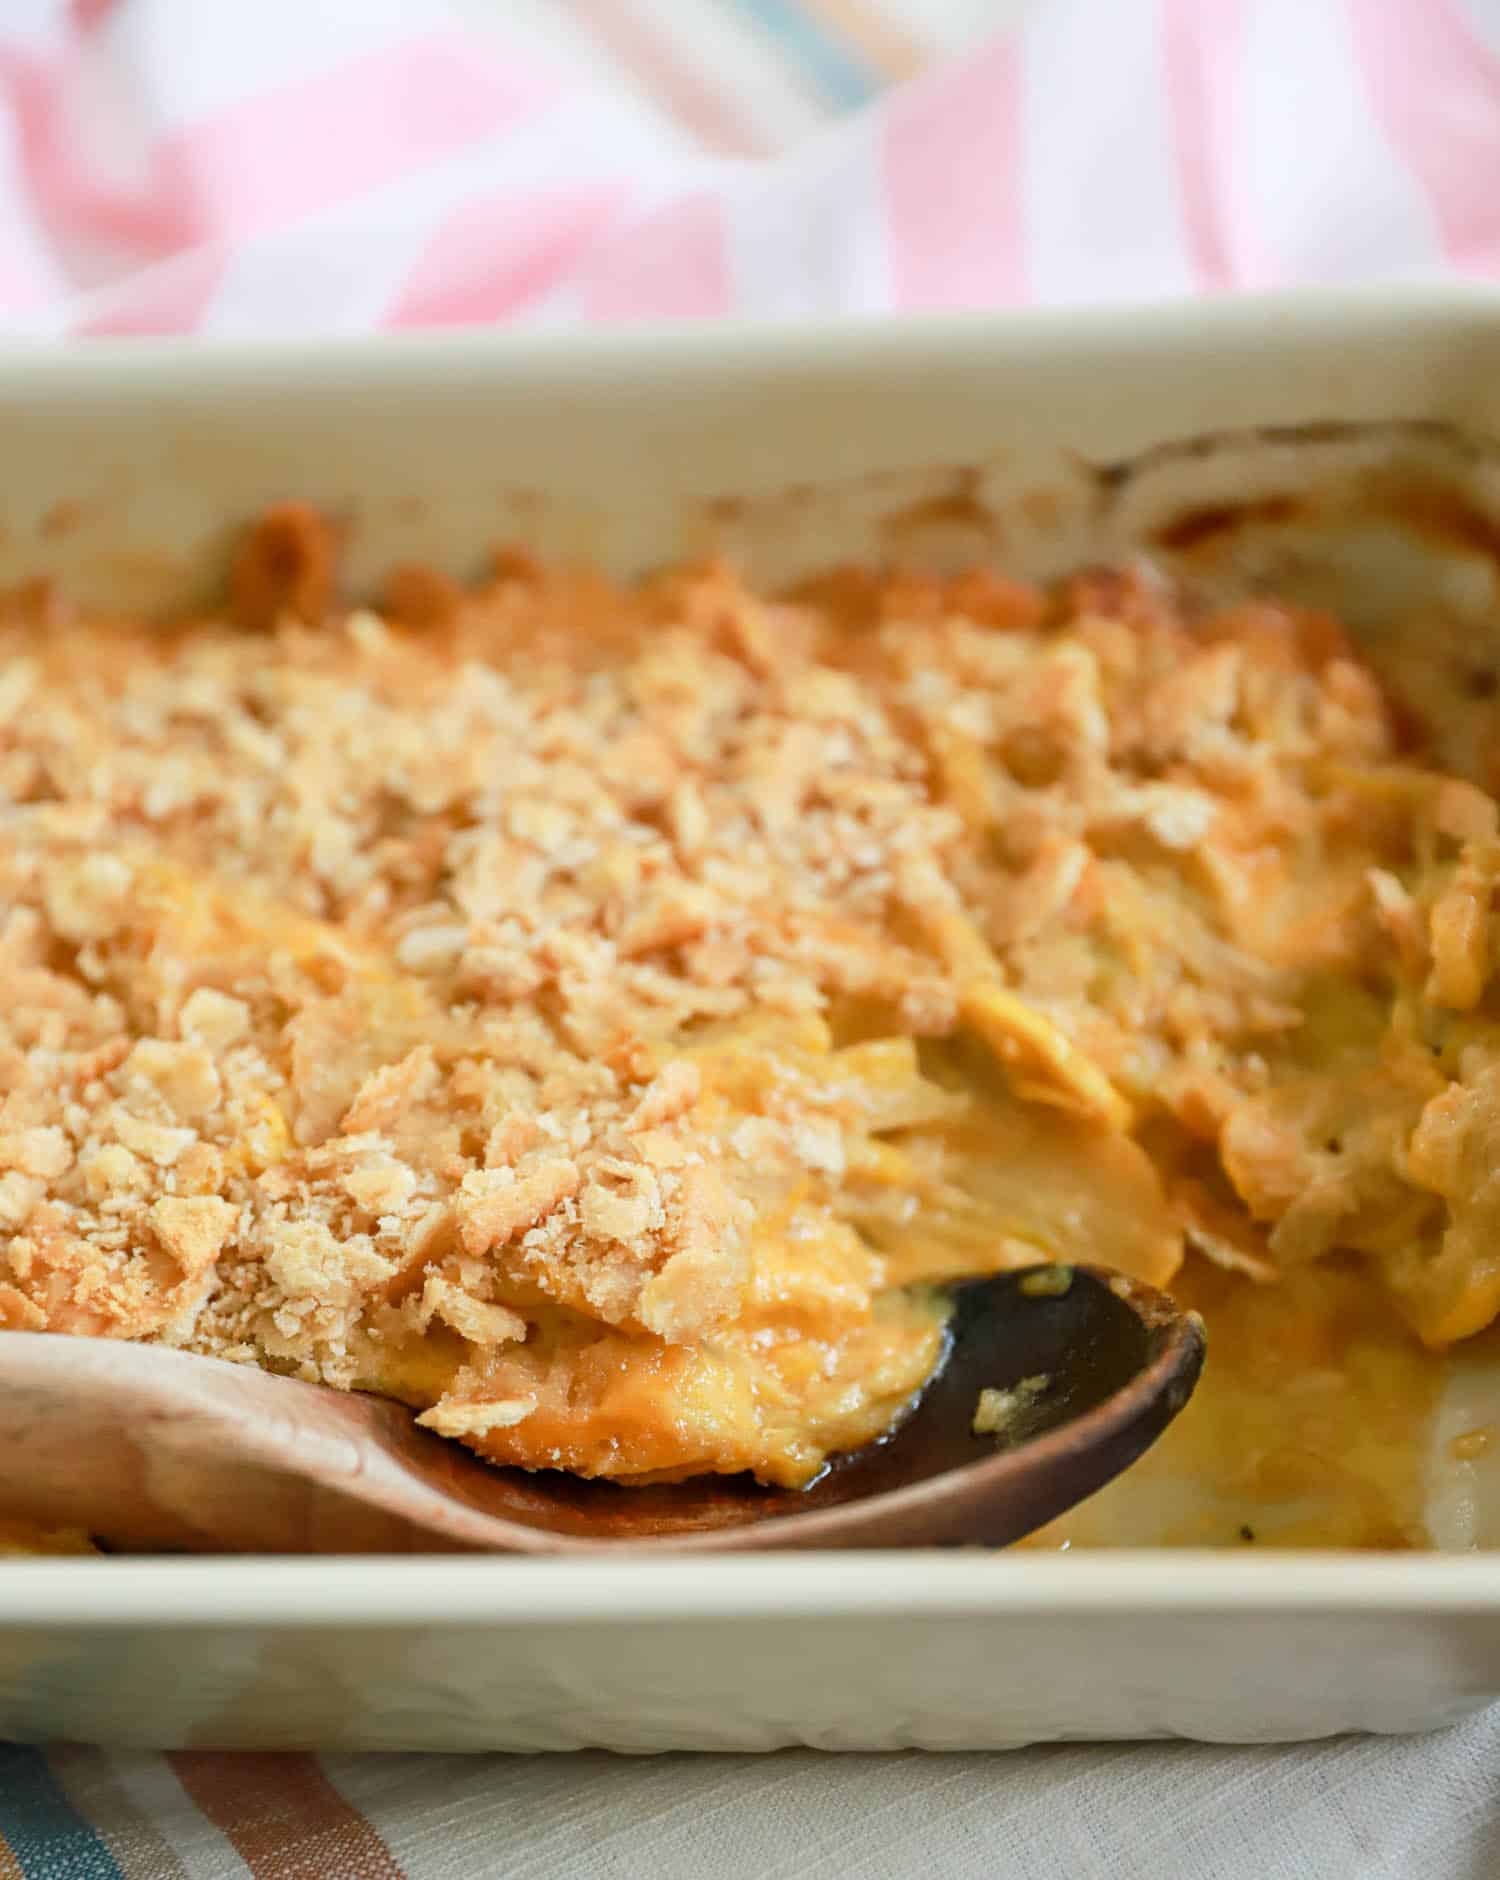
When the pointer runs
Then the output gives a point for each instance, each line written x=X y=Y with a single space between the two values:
x=121 y=469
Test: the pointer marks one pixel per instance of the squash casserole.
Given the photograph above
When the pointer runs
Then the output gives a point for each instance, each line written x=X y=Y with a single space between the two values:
x=604 y=1019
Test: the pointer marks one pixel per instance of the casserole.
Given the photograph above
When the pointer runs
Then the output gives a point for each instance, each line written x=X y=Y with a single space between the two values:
x=1333 y=449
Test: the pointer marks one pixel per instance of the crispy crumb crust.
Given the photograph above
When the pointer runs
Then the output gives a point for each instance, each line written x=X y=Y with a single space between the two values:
x=593 y=1016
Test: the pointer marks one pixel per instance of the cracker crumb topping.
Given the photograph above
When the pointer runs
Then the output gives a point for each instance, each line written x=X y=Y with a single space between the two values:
x=582 y=1012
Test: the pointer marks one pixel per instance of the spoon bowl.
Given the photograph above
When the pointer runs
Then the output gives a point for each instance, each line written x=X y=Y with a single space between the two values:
x=153 y=1449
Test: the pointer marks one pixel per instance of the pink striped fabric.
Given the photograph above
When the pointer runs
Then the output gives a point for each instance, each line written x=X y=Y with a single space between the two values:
x=1200 y=44
x=950 y=159
x=1436 y=87
x=495 y=254
x=341 y=132
x=303 y=169
x=670 y=266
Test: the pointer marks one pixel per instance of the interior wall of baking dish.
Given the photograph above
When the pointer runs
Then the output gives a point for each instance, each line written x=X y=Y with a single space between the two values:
x=124 y=465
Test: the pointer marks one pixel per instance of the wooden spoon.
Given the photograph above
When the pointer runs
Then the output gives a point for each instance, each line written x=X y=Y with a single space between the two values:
x=148 y=1448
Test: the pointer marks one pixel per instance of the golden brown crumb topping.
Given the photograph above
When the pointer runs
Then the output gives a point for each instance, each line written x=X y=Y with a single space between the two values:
x=589 y=1014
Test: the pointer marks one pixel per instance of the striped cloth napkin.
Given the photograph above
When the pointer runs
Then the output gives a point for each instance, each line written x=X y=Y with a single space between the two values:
x=293 y=168
x=333 y=166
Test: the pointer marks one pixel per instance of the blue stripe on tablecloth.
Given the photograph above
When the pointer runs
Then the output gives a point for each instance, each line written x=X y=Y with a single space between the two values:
x=48 y=1837
x=839 y=73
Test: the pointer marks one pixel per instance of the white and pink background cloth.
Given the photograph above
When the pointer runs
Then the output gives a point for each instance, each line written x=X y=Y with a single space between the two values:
x=236 y=168
x=333 y=166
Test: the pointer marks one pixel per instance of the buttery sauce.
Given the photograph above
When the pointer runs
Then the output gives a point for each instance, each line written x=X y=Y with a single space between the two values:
x=1310 y=1427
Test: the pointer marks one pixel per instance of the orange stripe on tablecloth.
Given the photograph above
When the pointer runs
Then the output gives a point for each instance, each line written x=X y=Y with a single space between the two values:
x=283 y=1816
x=10 y=1867
x=85 y=1777
x=896 y=54
x=698 y=105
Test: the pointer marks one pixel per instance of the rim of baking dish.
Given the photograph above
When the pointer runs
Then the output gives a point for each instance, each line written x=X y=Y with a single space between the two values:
x=840 y=344
x=347 y=1591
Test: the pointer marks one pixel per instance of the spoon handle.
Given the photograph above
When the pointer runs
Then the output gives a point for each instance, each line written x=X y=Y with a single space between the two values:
x=240 y=1467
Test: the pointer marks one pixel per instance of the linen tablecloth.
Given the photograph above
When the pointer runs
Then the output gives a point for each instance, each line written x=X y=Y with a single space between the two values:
x=1373 y=1808
x=332 y=166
